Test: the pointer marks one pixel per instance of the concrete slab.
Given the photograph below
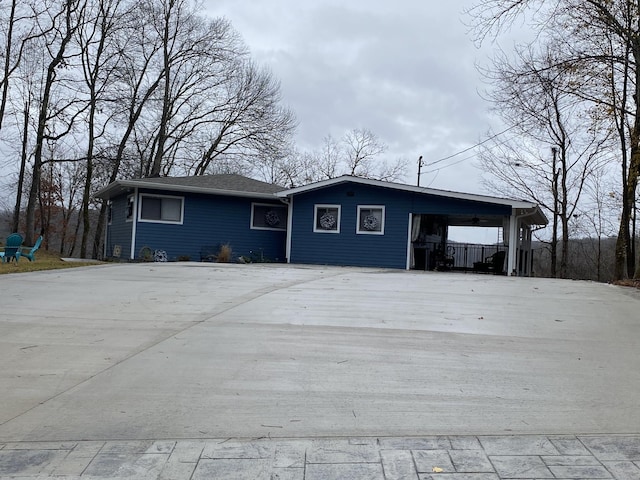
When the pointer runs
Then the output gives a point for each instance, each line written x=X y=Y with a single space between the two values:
x=353 y=458
x=197 y=351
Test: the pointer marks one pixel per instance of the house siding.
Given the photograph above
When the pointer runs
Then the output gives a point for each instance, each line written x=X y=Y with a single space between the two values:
x=119 y=231
x=350 y=248
x=211 y=221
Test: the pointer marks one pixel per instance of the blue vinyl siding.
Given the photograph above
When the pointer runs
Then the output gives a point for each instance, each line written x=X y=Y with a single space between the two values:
x=210 y=221
x=119 y=231
x=349 y=248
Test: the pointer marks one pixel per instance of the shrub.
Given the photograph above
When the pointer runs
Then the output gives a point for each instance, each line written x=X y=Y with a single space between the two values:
x=224 y=254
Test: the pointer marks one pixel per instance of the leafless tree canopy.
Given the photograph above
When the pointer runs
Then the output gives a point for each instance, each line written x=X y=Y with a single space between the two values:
x=572 y=98
x=96 y=90
x=359 y=152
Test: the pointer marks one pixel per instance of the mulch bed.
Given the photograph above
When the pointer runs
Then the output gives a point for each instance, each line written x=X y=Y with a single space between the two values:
x=628 y=283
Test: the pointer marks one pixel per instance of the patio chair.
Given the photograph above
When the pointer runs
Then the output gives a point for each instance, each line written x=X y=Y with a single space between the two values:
x=492 y=264
x=31 y=254
x=12 y=248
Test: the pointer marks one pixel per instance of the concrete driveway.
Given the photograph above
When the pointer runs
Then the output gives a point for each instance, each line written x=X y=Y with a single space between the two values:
x=189 y=350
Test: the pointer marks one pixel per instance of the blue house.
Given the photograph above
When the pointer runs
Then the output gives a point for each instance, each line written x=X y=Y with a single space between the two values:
x=342 y=221
x=370 y=223
x=193 y=217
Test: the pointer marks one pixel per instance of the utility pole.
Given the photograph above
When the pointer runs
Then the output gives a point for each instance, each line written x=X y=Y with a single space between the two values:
x=420 y=164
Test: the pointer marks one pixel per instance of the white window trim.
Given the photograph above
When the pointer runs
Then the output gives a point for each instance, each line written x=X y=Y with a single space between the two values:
x=273 y=229
x=369 y=232
x=320 y=206
x=171 y=222
x=130 y=198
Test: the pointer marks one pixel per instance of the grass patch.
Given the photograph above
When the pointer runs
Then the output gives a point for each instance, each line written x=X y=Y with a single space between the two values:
x=44 y=261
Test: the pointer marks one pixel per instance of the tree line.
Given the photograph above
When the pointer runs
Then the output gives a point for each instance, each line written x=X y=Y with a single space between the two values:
x=571 y=99
x=96 y=90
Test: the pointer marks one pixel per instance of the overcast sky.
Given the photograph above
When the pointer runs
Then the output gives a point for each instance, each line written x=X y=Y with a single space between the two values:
x=406 y=70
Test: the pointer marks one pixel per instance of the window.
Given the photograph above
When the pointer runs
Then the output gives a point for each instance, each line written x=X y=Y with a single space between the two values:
x=129 y=211
x=161 y=209
x=370 y=219
x=268 y=217
x=326 y=219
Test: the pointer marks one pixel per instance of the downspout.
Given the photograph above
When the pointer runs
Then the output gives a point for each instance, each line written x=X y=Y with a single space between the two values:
x=134 y=226
x=409 y=230
x=514 y=225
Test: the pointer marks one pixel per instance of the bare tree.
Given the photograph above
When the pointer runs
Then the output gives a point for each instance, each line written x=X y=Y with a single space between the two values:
x=137 y=78
x=128 y=88
x=61 y=27
x=246 y=119
x=195 y=62
x=599 y=39
x=533 y=94
x=19 y=30
x=357 y=153
x=97 y=42
x=361 y=147
x=326 y=161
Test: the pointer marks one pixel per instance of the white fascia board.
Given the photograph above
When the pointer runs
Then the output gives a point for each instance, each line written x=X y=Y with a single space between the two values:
x=131 y=184
x=406 y=188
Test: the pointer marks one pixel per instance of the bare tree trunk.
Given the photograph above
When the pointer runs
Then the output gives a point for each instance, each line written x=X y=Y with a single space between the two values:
x=7 y=61
x=23 y=166
x=554 y=232
x=564 y=205
x=69 y=30
x=166 y=97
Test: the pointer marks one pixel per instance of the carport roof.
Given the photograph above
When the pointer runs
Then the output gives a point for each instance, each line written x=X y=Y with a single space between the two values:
x=520 y=207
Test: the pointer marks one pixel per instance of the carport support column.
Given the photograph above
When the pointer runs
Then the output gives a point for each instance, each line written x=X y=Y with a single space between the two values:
x=513 y=243
x=289 y=229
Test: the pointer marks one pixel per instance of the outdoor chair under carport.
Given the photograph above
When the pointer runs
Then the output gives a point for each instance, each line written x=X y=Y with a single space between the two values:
x=492 y=264
x=12 y=248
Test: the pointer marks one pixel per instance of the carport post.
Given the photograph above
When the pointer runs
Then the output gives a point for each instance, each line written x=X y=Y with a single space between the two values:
x=513 y=243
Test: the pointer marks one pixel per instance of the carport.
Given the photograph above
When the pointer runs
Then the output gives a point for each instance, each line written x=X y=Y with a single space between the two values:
x=430 y=248
x=353 y=221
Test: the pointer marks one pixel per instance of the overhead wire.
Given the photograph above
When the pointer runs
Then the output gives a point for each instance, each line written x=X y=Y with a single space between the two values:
x=471 y=147
x=437 y=170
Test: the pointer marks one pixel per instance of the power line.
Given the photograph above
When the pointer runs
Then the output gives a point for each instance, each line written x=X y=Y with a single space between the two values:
x=472 y=147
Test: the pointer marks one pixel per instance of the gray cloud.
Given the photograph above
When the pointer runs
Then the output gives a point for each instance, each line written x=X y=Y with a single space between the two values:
x=405 y=70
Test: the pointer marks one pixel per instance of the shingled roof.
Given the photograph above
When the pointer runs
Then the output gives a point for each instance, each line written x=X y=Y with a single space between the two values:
x=230 y=184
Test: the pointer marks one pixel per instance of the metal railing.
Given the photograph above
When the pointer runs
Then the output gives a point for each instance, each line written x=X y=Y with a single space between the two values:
x=466 y=254
x=456 y=256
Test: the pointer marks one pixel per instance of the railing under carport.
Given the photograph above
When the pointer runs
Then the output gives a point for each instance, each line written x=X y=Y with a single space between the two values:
x=467 y=257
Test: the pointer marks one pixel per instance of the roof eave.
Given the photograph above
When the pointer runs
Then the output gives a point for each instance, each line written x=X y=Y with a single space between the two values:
x=406 y=188
x=123 y=186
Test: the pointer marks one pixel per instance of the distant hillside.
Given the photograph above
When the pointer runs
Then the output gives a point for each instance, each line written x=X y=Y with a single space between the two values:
x=587 y=259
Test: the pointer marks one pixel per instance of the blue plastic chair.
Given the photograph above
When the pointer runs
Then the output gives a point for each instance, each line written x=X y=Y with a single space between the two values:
x=12 y=248
x=31 y=254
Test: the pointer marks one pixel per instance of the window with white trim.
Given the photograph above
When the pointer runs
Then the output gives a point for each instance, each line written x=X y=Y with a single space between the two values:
x=326 y=219
x=129 y=211
x=265 y=216
x=161 y=209
x=370 y=219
